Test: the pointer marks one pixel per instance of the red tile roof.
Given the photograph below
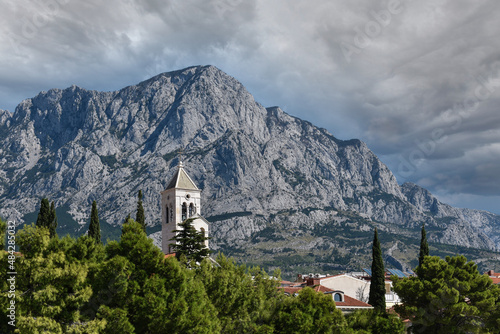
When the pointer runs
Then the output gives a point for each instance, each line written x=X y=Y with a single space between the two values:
x=321 y=288
x=169 y=255
x=496 y=280
x=351 y=302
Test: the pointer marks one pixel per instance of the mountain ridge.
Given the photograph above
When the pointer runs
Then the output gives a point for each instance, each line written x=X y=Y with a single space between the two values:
x=274 y=175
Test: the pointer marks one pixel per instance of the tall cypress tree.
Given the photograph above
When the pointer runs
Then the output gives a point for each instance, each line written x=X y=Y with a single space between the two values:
x=44 y=214
x=377 y=286
x=52 y=224
x=424 y=247
x=140 y=212
x=94 y=227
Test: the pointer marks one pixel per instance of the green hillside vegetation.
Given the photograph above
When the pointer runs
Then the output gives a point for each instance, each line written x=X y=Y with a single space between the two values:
x=69 y=285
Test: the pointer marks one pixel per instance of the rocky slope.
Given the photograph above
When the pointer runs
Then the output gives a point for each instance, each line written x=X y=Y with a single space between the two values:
x=271 y=182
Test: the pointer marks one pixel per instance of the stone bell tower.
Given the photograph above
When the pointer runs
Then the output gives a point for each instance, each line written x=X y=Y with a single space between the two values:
x=180 y=201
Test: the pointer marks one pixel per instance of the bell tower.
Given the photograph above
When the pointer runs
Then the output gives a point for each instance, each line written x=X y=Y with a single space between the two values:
x=180 y=201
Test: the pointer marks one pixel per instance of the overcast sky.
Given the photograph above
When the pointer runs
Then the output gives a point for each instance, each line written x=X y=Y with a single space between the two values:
x=418 y=81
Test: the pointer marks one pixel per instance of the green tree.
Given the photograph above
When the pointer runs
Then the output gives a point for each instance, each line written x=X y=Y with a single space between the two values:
x=245 y=300
x=52 y=287
x=154 y=295
x=47 y=217
x=424 y=247
x=189 y=242
x=377 y=285
x=140 y=218
x=127 y=218
x=94 y=227
x=44 y=214
x=449 y=296
x=3 y=230
x=370 y=321
x=52 y=224
x=310 y=312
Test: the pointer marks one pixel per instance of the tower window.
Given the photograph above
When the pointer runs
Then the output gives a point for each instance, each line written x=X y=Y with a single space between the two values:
x=191 y=209
x=184 y=211
x=168 y=215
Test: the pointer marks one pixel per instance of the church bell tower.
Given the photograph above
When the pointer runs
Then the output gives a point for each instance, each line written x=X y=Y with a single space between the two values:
x=180 y=201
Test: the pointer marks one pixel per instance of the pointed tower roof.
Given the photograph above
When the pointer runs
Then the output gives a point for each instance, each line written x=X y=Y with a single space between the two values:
x=181 y=180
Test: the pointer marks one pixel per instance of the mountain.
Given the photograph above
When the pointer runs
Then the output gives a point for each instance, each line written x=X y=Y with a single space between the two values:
x=277 y=189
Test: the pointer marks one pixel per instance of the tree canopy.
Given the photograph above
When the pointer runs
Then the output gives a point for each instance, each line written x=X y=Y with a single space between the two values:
x=68 y=285
x=94 y=227
x=424 y=247
x=47 y=216
x=140 y=217
x=189 y=243
x=377 y=285
x=449 y=296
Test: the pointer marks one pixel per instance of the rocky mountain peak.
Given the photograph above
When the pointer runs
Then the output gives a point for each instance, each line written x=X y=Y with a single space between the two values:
x=264 y=174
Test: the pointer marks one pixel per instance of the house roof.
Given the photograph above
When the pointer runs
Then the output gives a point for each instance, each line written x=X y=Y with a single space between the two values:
x=322 y=288
x=181 y=180
x=291 y=290
x=496 y=280
x=351 y=302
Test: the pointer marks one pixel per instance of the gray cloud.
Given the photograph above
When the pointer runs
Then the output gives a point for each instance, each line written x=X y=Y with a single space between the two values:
x=418 y=81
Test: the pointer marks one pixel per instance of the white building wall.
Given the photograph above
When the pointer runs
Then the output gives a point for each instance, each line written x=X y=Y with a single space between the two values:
x=351 y=286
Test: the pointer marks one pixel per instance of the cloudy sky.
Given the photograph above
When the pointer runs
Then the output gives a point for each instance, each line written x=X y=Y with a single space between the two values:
x=418 y=81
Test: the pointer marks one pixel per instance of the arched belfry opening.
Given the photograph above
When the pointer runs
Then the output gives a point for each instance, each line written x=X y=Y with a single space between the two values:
x=184 y=211
x=181 y=200
x=191 y=210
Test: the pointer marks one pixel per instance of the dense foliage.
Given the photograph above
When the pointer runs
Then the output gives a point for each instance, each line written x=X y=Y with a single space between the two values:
x=375 y=322
x=3 y=230
x=424 y=247
x=449 y=296
x=94 y=227
x=140 y=217
x=47 y=216
x=67 y=285
x=377 y=286
x=188 y=243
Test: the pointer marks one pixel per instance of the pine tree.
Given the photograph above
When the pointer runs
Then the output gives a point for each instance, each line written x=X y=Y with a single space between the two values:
x=189 y=242
x=44 y=214
x=424 y=247
x=94 y=227
x=377 y=286
x=448 y=296
x=52 y=224
x=140 y=212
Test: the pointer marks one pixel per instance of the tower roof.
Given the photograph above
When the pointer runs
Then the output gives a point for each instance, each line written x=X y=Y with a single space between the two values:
x=181 y=180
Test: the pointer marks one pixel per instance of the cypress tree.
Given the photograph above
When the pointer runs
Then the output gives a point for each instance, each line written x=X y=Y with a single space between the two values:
x=424 y=247
x=377 y=286
x=44 y=214
x=52 y=224
x=94 y=227
x=126 y=218
x=140 y=212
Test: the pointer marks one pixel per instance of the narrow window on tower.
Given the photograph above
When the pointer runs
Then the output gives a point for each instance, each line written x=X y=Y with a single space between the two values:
x=191 y=209
x=184 y=211
x=168 y=215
